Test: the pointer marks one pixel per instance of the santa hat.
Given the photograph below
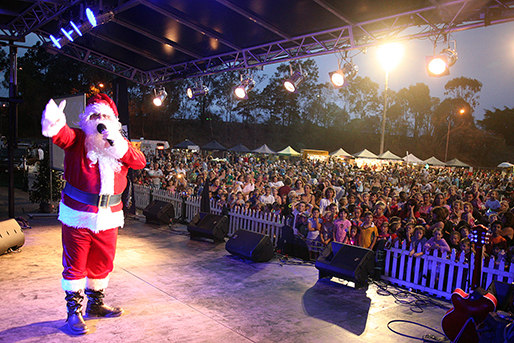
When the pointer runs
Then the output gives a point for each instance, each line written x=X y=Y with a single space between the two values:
x=102 y=104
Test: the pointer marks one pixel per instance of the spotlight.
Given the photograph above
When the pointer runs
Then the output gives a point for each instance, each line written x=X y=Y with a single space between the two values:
x=296 y=78
x=246 y=85
x=159 y=96
x=340 y=77
x=197 y=91
x=75 y=27
x=67 y=34
x=56 y=42
x=91 y=17
x=439 y=65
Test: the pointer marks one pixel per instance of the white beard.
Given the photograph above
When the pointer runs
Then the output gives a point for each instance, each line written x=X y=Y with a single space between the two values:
x=97 y=152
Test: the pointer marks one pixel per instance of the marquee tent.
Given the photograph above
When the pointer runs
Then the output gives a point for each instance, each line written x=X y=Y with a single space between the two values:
x=214 y=146
x=340 y=153
x=456 y=163
x=187 y=144
x=410 y=158
x=432 y=161
x=288 y=152
x=264 y=149
x=365 y=154
x=389 y=156
x=239 y=148
x=505 y=165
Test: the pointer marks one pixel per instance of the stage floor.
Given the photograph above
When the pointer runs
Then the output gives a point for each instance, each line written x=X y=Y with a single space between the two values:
x=174 y=289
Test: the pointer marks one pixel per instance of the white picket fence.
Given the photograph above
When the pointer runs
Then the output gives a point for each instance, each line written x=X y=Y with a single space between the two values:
x=438 y=275
x=186 y=209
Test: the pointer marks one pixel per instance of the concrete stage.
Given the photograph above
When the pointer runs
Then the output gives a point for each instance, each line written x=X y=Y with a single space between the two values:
x=174 y=289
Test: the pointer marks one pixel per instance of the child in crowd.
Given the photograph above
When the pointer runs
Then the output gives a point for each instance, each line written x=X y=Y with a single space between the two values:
x=302 y=225
x=467 y=214
x=496 y=238
x=455 y=239
x=465 y=248
x=368 y=232
x=356 y=216
x=383 y=231
x=342 y=226
x=378 y=217
x=437 y=243
x=353 y=235
x=418 y=241
x=395 y=225
x=327 y=228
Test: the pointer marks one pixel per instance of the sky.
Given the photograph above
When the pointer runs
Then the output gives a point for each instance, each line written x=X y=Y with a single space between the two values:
x=485 y=54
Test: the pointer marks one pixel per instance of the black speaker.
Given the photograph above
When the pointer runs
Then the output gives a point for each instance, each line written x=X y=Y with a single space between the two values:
x=347 y=262
x=11 y=236
x=292 y=245
x=158 y=212
x=504 y=293
x=251 y=245
x=211 y=226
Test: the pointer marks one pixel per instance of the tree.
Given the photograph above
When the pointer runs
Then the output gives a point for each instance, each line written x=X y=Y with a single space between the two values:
x=500 y=122
x=417 y=104
x=464 y=88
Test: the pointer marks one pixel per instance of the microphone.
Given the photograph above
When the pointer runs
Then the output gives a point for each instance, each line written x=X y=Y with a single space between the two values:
x=101 y=128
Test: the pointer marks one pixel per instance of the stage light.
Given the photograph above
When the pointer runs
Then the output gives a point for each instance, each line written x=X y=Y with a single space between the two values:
x=291 y=84
x=76 y=28
x=67 y=34
x=439 y=65
x=340 y=77
x=197 y=91
x=91 y=17
x=246 y=85
x=56 y=42
x=160 y=95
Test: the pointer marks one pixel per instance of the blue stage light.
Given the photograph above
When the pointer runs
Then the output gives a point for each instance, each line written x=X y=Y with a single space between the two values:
x=91 y=17
x=75 y=27
x=56 y=42
x=67 y=34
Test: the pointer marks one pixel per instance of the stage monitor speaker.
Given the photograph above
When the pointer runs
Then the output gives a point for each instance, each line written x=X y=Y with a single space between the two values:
x=251 y=245
x=11 y=236
x=347 y=262
x=211 y=226
x=292 y=245
x=159 y=212
x=504 y=293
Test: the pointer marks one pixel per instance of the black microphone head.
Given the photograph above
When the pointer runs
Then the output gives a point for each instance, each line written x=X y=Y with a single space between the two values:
x=100 y=127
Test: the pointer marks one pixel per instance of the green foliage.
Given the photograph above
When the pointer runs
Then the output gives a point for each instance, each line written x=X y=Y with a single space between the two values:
x=40 y=191
x=500 y=122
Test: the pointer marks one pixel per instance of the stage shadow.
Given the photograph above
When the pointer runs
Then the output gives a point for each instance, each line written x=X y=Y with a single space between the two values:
x=41 y=331
x=338 y=304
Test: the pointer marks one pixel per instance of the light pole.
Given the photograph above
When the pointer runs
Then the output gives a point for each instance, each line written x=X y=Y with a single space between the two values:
x=389 y=56
x=461 y=111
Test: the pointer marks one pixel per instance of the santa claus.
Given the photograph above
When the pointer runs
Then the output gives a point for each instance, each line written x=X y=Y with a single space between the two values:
x=96 y=161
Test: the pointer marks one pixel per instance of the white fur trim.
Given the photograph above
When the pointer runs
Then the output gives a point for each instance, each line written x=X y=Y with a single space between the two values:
x=96 y=222
x=97 y=284
x=73 y=285
x=119 y=149
x=98 y=107
x=106 y=174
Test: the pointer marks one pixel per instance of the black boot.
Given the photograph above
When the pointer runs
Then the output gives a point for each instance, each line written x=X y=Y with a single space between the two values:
x=97 y=308
x=75 y=320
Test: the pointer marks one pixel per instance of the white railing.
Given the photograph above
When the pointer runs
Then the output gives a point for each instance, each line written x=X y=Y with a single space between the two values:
x=438 y=275
x=265 y=223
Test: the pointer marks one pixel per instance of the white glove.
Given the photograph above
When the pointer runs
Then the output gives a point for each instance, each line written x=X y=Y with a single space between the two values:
x=119 y=145
x=53 y=119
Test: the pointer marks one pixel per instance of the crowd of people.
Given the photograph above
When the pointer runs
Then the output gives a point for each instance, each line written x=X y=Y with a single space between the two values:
x=428 y=208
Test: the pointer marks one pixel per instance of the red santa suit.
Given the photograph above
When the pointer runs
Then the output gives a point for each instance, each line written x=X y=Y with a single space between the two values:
x=90 y=210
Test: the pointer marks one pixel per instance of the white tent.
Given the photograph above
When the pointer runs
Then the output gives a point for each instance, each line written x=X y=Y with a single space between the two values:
x=410 y=158
x=505 y=165
x=457 y=163
x=288 y=151
x=389 y=156
x=340 y=153
x=365 y=154
x=432 y=161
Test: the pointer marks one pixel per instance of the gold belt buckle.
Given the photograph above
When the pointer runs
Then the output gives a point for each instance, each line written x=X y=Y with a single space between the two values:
x=104 y=200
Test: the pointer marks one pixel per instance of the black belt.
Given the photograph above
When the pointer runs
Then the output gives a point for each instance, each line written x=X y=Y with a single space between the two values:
x=102 y=200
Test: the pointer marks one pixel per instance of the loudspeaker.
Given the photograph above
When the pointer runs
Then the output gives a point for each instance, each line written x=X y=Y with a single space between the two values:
x=347 y=262
x=504 y=293
x=289 y=244
x=211 y=226
x=11 y=236
x=251 y=245
x=158 y=212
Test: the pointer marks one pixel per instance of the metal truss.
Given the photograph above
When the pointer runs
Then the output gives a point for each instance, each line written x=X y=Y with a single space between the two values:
x=435 y=21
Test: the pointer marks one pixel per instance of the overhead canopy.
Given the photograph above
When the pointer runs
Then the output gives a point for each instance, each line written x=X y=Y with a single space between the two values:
x=187 y=144
x=340 y=153
x=456 y=163
x=505 y=165
x=389 y=156
x=365 y=154
x=410 y=158
x=288 y=152
x=264 y=149
x=239 y=148
x=150 y=42
x=432 y=161
x=214 y=146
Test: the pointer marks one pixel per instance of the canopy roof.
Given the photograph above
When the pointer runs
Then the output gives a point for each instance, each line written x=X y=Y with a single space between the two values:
x=365 y=154
x=288 y=152
x=432 y=161
x=239 y=148
x=152 y=42
x=456 y=163
x=187 y=144
x=264 y=149
x=410 y=158
x=340 y=153
x=505 y=165
x=214 y=146
x=389 y=156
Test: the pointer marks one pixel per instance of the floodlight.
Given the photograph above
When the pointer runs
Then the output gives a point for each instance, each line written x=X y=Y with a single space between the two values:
x=160 y=95
x=340 y=77
x=439 y=65
x=67 y=34
x=56 y=42
x=76 y=28
x=292 y=83
x=197 y=91
x=246 y=85
x=91 y=17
